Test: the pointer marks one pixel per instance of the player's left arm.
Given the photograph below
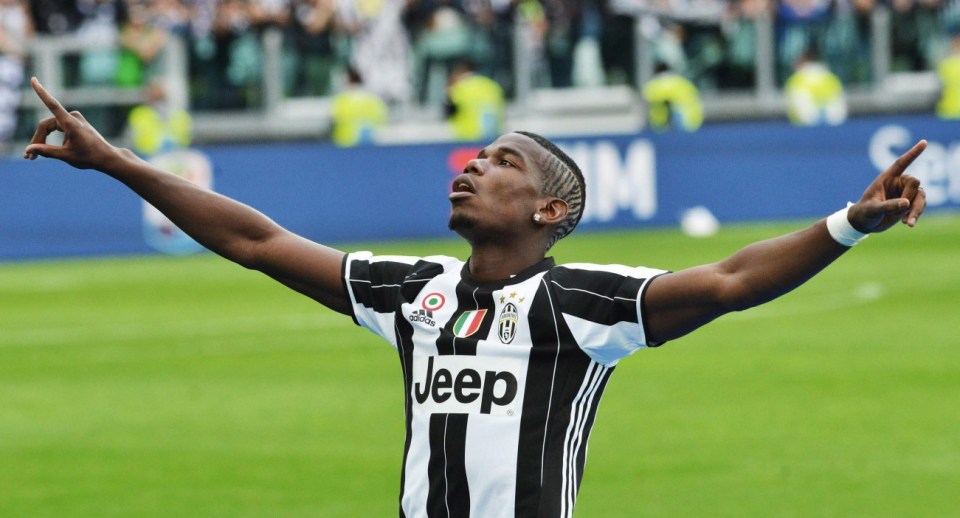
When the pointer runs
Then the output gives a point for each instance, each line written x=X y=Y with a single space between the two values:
x=679 y=302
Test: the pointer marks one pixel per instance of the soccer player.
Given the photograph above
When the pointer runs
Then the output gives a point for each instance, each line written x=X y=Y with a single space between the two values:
x=504 y=356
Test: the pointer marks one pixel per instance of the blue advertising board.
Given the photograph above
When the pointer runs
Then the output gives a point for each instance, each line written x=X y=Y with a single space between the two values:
x=739 y=171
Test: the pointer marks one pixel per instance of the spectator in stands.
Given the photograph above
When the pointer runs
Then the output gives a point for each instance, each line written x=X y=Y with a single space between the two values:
x=814 y=94
x=441 y=35
x=357 y=113
x=914 y=42
x=173 y=16
x=482 y=18
x=587 y=58
x=265 y=14
x=157 y=127
x=309 y=40
x=617 y=43
x=532 y=17
x=672 y=101
x=949 y=72
x=204 y=62
x=99 y=30
x=501 y=30
x=380 y=48
x=236 y=56
x=740 y=33
x=562 y=32
x=689 y=36
x=591 y=42
x=55 y=17
x=140 y=44
x=248 y=63
x=203 y=15
x=847 y=45
x=16 y=29
x=475 y=106
x=801 y=24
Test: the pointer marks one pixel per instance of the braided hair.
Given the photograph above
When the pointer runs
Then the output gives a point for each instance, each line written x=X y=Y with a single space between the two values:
x=562 y=179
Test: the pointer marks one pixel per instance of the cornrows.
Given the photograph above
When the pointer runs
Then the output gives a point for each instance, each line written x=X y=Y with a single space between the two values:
x=562 y=179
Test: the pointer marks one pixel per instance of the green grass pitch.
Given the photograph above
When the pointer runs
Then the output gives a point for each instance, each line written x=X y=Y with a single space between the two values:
x=192 y=387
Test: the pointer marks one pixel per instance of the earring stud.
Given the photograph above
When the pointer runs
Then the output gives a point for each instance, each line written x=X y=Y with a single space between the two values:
x=536 y=217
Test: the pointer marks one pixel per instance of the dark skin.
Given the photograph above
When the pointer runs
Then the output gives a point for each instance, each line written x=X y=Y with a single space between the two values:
x=493 y=206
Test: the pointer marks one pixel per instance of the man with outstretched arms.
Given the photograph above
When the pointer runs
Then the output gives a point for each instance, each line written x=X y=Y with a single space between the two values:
x=504 y=356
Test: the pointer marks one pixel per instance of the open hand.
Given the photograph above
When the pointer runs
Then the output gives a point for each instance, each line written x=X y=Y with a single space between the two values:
x=83 y=147
x=893 y=196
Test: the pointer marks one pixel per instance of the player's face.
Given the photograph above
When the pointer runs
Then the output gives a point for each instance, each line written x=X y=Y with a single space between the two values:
x=499 y=191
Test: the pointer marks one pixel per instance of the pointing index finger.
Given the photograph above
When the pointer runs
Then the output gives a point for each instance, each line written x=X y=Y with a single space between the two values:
x=52 y=103
x=906 y=159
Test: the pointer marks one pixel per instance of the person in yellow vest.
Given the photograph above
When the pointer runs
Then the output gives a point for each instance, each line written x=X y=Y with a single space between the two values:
x=949 y=72
x=672 y=101
x=156 y=127
x=814 y=94
x=357 y=113
x=475 y=107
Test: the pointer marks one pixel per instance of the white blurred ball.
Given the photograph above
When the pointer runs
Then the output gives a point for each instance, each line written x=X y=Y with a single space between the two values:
x=699 y=222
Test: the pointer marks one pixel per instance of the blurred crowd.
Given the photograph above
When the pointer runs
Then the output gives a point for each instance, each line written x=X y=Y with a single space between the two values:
x=404 y=50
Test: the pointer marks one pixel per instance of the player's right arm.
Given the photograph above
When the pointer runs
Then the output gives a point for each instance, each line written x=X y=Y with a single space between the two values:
x=225 y=226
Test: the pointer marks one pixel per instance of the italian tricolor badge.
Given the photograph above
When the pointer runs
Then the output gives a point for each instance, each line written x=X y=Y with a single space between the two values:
x=468 y=323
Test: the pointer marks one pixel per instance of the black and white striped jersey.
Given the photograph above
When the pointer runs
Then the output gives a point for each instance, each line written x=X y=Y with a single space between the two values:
x=502 y=378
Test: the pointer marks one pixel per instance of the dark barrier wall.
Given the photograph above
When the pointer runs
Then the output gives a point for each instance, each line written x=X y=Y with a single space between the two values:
x=743 y=171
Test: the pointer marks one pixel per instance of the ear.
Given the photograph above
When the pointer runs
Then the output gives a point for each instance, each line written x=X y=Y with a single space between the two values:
x=553 y=211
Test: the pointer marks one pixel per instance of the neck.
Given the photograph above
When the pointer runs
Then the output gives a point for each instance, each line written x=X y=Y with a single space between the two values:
x=490 y=263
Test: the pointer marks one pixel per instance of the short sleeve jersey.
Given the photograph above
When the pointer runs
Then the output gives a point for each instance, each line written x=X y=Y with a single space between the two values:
x=502 y=379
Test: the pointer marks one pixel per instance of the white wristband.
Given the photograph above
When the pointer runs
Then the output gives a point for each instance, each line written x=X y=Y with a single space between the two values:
x=841 y=230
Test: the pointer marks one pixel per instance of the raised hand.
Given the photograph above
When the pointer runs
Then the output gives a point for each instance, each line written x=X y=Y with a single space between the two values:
x=83 y=146
x=892 y=197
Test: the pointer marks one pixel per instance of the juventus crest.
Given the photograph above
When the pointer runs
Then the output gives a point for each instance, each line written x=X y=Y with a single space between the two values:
x=509 y=318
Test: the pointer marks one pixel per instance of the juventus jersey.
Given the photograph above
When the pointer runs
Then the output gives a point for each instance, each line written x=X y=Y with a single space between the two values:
x=501 y=378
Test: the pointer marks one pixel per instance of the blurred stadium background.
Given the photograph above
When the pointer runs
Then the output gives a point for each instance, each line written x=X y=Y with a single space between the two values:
x=135 y=383
x=255 y=69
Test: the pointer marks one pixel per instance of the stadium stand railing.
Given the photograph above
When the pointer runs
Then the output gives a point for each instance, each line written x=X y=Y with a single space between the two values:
x=602 y=109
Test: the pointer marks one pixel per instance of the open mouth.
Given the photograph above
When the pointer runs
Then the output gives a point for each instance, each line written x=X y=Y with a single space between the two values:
x=461 y=188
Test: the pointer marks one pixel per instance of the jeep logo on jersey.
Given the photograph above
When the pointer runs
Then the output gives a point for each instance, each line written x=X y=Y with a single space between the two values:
x=509 y=318
x=463 y=385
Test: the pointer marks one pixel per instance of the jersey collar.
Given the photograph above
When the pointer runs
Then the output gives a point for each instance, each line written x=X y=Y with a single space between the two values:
x=542 y=266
